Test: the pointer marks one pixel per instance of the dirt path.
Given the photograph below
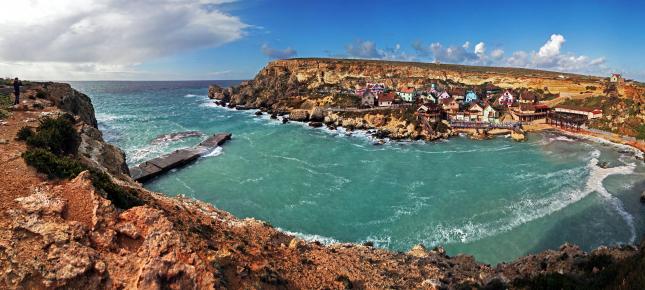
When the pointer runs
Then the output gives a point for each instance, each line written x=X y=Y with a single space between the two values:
x=18 y=179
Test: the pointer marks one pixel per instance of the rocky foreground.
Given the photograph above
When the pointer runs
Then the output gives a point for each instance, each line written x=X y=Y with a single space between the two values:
x=70 y=234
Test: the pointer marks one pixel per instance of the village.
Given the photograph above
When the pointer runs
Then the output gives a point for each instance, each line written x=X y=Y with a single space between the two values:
x=483 y=106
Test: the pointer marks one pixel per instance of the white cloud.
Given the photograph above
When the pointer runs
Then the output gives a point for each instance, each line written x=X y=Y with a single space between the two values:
x=103 y=34
x=549 y=56
x=552 y=46
x=278 y=53
x=497 y=54
x=480 y=49
x=367 y=49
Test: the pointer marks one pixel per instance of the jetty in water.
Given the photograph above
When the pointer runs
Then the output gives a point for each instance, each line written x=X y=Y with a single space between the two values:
x=177 y=158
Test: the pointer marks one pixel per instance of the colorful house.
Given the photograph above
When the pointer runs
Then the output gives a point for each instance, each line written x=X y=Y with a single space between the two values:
x=386 y=99
x=506 y=99
x=408 y=94
x=443 y=95
x=428 y=97
x=490 y=114
x=470 y=97
x=374 y=88
x=475 y=112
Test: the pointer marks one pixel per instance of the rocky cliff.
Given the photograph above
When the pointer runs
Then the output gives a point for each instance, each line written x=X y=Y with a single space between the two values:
x=306 y=84
x=73 y=234
x=284 y=80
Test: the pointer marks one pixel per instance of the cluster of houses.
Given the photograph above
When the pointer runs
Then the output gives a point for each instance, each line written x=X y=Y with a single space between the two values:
x=490 y=105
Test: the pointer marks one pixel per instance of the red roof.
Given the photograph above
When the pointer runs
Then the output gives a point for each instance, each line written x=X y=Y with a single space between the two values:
x=384 y=97
x=408 y=90
x=541 y=106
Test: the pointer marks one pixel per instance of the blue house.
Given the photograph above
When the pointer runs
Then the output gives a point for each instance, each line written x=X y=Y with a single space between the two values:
x=470 y=97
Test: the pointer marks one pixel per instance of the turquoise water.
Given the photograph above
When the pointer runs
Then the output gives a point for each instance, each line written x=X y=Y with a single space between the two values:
x=495 y=199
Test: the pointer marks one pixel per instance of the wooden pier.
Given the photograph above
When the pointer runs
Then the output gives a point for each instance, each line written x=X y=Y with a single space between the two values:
x=162 y=164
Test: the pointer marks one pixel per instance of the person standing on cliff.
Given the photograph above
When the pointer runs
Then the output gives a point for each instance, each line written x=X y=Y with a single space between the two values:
x=16 y=90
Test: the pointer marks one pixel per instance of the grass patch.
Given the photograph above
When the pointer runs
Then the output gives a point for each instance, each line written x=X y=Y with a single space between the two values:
x=5 y=104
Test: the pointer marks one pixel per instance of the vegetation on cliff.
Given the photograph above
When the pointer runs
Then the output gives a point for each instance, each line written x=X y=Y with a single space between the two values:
x=52 y=151
x=624 y=116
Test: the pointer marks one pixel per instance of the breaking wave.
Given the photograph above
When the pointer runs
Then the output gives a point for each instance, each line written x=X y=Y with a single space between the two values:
x=527 y=210
x=311 y=237
x=215 y=152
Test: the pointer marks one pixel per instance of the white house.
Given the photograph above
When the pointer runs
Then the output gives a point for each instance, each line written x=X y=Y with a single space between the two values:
x=408 y=94
x=490 y=114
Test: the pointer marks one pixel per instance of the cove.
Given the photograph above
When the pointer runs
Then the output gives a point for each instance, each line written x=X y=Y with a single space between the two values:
x=494 y=199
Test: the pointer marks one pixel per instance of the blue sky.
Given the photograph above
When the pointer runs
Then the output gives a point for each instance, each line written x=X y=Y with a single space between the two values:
x=222 y=39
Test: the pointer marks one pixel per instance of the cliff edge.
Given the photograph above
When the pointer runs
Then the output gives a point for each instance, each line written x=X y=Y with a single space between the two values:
x=78 y=232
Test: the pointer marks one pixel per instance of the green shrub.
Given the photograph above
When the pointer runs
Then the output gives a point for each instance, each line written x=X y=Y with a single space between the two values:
x=52 y=165
x=119 y=196
x=41 y=94
x=24 y=133
x=56 y=135
x=5 y=101
x=640 y=132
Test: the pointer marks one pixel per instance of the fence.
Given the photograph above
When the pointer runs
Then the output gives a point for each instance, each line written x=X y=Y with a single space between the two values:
x=484 y=125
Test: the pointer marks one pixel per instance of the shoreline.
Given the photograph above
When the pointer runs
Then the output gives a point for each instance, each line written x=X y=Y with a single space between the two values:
x=637 y=148
x=188 y=243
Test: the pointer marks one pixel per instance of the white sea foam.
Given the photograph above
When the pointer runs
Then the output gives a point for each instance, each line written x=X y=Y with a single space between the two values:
x=194 y=96
x=215 y=152
x=311 y=237
x=527 y=210
x=252 y=180
x=192 y=191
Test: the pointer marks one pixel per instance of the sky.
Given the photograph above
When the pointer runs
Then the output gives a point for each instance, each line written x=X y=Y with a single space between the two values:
x=229 y=39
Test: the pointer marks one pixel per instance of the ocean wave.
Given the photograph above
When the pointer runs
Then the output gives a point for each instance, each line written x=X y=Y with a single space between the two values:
x=212 y=153
x=108 y=118
x=252 y=180
x=476 y=150
x=311 y=237
x=527 y=210
x=194 y=96
x=176 y=136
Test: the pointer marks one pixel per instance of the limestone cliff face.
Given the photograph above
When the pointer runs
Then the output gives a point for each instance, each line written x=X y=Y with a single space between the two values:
x=71 y=101
x=284 y=79
x=69 y=234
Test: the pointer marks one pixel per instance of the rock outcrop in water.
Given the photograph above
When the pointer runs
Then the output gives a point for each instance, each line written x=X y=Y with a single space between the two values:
x=69 y=234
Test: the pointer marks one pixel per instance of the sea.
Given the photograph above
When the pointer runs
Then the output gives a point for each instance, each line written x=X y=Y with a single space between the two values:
x=495 y=199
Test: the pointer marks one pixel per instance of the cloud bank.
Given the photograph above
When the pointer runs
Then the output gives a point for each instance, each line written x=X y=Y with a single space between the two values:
x=549 y=56
x=107 y=36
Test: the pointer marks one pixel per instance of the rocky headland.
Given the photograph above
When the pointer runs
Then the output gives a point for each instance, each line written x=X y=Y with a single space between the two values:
x=111 y=233
x=320 y=90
